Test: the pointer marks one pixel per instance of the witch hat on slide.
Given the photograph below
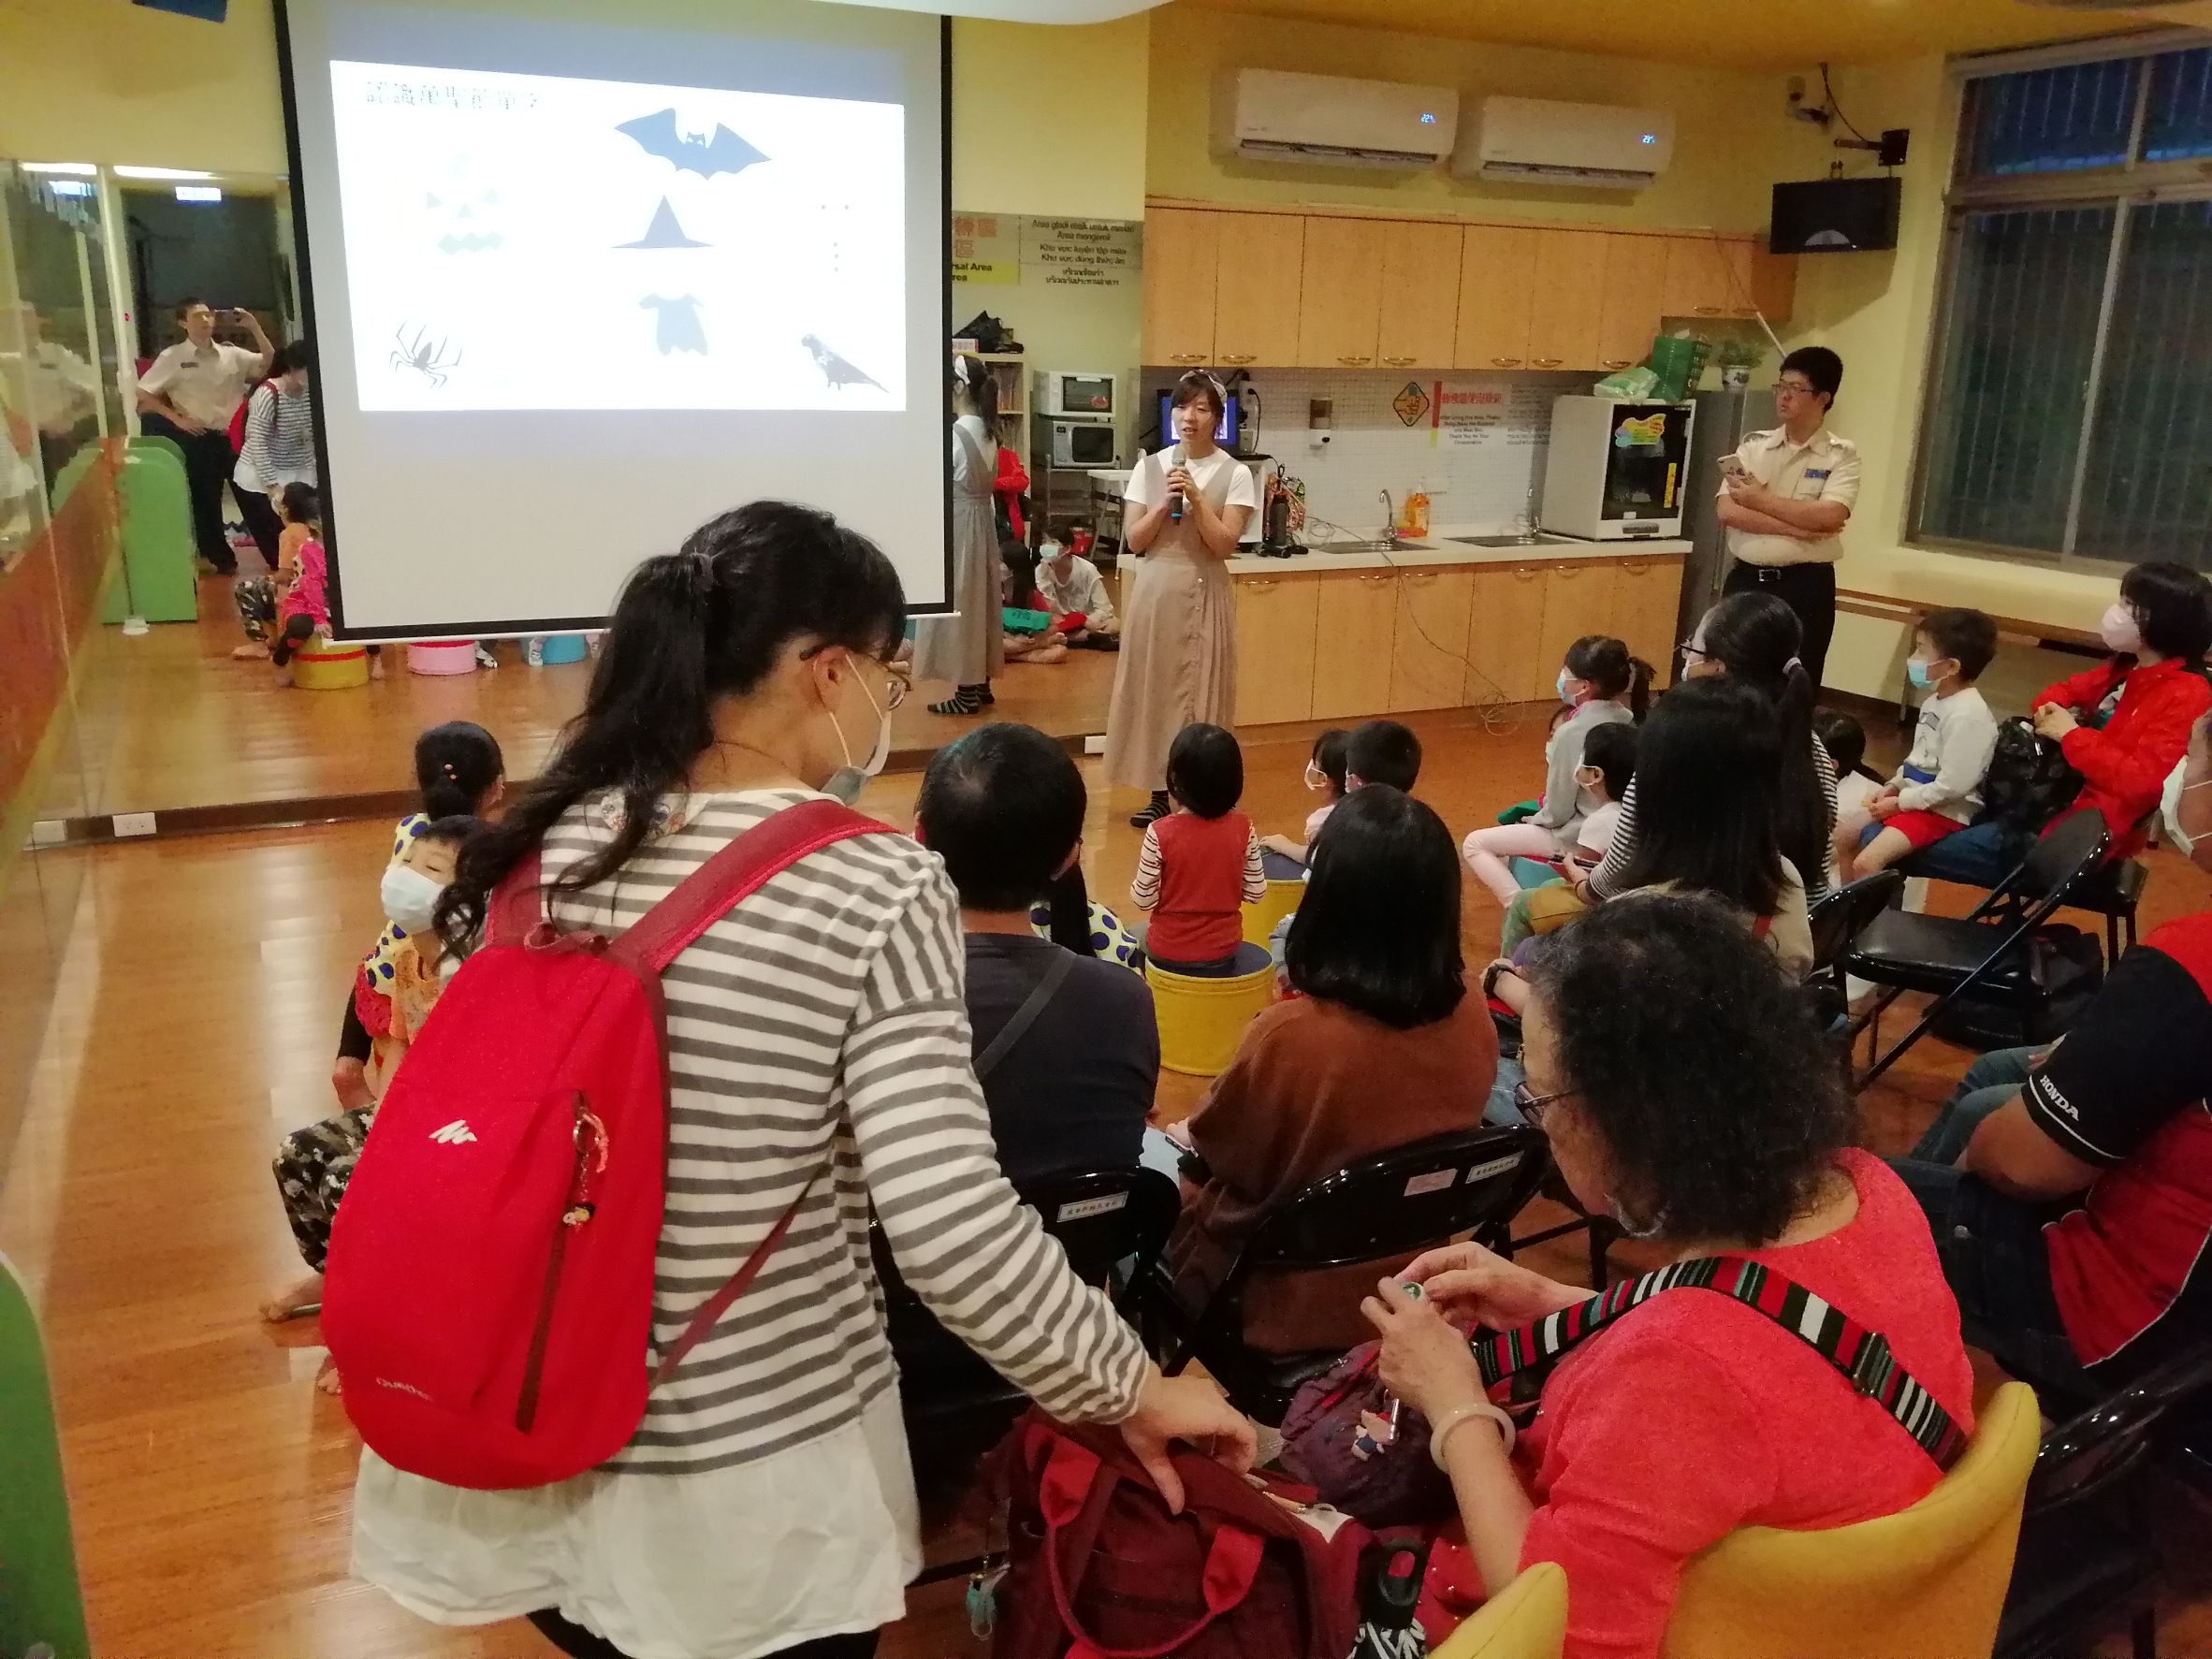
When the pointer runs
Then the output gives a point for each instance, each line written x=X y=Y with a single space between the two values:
x=664 y=232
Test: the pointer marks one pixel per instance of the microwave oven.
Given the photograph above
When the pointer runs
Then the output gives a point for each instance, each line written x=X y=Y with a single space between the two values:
x=1078 y=392
x=1082 y=444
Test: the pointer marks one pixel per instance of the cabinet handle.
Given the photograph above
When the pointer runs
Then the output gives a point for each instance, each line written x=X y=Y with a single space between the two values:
x=1525 y=572
x=1636 y=567
x=1239 y=356
x=1375 y=579
x=1421 y=578
x=1355 y=362
x=1567 y=571
x=1186 y=356
x=1546 y=362
x=1710 y=311
x=1505 y=362
x=1617 y=362
x=1259 y=584
x=1400 y=362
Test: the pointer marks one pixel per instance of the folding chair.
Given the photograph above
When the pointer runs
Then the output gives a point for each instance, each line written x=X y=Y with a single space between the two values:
x=1841 y=914
x=2088 y=1551
x=1990 y=952
x=1394 y=1204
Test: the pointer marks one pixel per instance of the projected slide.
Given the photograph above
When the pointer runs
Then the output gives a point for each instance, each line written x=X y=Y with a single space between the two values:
x=540 y=242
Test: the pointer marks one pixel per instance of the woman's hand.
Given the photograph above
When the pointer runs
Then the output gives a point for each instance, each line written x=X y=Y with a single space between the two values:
x=1884 y=806
x=2054 y=722
x=1479 y=1287
x=1180 y=478
x=1190 y=1408
x=1424 y=1360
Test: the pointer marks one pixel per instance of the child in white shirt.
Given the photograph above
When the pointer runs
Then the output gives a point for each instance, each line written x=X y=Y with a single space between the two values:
x=1939 y=789
x=1072 y=587
x=1324 y=775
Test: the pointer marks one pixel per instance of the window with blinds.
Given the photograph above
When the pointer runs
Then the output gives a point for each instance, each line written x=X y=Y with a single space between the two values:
x=2069 y=407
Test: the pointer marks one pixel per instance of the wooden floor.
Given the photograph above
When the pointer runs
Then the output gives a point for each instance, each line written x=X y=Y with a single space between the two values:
x=169 y=721
x=194 y=1026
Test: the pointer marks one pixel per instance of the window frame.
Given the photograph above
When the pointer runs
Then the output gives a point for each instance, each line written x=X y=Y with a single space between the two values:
x=2131 y=184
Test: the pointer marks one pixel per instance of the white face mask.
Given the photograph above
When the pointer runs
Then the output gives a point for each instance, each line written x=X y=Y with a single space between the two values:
x=2119 y=630
x=848 y=781
x=1565 y=680
x=408 y=898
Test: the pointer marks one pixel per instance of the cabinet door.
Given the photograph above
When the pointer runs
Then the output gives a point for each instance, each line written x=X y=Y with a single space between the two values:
x=1274 y=649
x=1567 y=298
x=1256 y=300
x=1357 y=612
x=1182 y=269
x=1420 y=296
x=1578 y=599
x=1636 y=276
x=1340 y=301
x=1708 y=277
x=1429 y=649
x=1505 y=617
x=1497 y=294
x=1647 y=596
x=1774 y=283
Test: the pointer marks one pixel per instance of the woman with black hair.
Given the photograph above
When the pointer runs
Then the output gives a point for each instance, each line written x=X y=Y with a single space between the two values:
x=1687 y=1093
x=969 y=647
x=2123 y=725
x=819 y=1071
x=1753 y=639
x=1379 y=995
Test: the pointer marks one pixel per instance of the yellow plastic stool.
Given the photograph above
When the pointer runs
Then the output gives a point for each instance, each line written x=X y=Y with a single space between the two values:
x=1261 y=919
x=329 y=665
x=1202 y=1021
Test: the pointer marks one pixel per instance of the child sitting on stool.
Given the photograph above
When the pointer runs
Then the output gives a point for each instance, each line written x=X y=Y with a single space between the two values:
x=1199 y=866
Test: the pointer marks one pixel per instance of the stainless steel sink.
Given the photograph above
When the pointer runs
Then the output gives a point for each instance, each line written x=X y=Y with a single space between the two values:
x=1530 y=540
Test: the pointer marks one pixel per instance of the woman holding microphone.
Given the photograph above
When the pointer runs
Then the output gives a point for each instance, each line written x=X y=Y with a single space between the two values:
x=1189 y=504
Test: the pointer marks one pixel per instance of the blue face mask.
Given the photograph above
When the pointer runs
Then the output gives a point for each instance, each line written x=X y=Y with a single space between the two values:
x=1916 y=672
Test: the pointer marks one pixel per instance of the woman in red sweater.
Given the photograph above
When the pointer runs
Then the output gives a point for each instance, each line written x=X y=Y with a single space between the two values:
x=1687 y=1093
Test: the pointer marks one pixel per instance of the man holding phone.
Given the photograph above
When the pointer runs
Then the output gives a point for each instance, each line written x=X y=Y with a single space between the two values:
x=1785 y=498
x=192 y=389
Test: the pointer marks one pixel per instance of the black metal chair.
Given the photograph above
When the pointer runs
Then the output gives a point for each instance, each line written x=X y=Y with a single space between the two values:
x=2114 y=892
x=1990 y=954
x=2086 y=1554
x=1393 y=1204
x=1101 y=1218
x=1839 y=916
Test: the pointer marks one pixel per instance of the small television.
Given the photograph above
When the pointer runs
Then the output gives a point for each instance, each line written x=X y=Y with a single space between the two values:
x=1835 y=215
x=1225 y=434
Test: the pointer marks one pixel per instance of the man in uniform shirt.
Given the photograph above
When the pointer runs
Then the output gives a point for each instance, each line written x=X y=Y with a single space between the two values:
x=61 y=391
x=1786 y=509
x=196 y=387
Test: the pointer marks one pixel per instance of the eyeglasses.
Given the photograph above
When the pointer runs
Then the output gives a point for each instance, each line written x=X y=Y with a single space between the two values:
x=1533 y=1106
x=896 y=686
x=1795 y=389
x=1689 y=650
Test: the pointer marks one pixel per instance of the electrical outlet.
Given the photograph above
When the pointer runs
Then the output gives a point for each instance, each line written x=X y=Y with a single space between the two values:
x=134 y=823
x=1094 y=743
x=49 y=832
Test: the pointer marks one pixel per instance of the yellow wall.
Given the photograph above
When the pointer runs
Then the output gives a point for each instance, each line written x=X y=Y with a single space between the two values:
x=1049 y=119
x=1732 y=138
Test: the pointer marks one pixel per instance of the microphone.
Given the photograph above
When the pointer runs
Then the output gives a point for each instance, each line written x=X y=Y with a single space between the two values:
x=1174 y=496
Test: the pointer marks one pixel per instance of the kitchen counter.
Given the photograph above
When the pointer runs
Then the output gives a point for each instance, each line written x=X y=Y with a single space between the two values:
x=1435 y=551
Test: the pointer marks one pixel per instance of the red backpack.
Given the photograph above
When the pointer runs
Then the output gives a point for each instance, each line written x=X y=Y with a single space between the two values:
x=489 y=1294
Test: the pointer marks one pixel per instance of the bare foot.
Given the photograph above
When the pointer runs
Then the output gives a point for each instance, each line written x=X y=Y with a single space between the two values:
x=284 y=677
x=376 y=667
x=294 y=1300
x=326 y=1379
x=249 y=652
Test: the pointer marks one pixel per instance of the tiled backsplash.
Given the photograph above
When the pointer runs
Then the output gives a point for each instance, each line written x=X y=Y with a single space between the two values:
x=1474 y=443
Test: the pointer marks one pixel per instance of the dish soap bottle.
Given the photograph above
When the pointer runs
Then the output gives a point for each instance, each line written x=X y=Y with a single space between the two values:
x=1413 y=518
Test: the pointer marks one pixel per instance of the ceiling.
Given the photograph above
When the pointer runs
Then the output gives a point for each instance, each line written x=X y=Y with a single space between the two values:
x=1739 y=33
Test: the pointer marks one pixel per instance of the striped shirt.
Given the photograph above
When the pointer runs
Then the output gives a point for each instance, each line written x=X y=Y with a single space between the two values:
x=279 y=445
x=1607 y=882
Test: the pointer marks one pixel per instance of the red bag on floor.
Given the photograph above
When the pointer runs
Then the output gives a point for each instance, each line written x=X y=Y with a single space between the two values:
x=1098 y=1568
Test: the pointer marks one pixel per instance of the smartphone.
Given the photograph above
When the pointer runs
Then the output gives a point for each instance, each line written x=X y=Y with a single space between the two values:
x=1733 y=469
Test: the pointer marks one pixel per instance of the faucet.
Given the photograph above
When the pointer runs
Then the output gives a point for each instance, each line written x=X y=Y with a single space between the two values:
x=1390 y=529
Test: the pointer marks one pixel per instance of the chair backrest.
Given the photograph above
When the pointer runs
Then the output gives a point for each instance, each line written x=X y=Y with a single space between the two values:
x=1925 y=1583
x=2083 y=1457
x=1401 y=1201
x=1843 y=912
x=39 y=1598
x=1526 y=1620
x=2062 y=854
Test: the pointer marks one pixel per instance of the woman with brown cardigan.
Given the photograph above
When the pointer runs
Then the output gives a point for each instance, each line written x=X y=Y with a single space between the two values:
x=1377 y=1046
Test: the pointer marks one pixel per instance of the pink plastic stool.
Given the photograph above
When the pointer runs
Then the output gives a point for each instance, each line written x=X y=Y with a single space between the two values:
x=443 y=656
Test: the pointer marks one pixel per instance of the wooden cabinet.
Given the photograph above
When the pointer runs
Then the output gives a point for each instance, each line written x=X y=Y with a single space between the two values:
x=1429 y=649
x=1578 y=599
x=1339 y=298
x=1505 y=617
x=1774 y=284
x=1182 y=271
x=1256 y=300
x=1275 y=648
x=1356 y=617
x=1635 y=278
x=1646 y=597
x=1708 y=277
x=1565 y=299
x=1497 y=292
x=1420 y=296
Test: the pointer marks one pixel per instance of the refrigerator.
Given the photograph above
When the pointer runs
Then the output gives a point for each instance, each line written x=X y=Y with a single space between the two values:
x=1724 y=420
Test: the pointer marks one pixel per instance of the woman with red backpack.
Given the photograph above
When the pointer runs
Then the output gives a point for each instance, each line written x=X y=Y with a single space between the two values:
x=818 y=1069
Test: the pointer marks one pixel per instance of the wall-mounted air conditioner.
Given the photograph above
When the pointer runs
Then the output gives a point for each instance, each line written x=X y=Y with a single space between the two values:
x=1273 y=115
x=1543 y=142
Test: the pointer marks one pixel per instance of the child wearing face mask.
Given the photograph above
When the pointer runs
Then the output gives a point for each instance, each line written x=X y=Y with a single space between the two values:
x=1283 y=859
x=1075 y=593
x=1602 y=684
x=1938 y=790
x=313 y=1164
x=1608 y=762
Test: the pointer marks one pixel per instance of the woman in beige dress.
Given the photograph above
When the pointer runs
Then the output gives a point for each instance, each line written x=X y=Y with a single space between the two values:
x=1188 y=504
x=968 y=647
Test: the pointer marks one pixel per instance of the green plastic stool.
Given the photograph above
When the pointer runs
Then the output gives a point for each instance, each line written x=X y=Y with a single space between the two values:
x=39 y=1597
x=158 y=555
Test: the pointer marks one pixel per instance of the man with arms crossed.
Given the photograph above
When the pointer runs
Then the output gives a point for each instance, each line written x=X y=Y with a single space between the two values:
x=196 y=385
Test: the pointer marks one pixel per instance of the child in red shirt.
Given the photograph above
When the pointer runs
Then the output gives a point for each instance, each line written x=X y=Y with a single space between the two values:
x=1199 y=866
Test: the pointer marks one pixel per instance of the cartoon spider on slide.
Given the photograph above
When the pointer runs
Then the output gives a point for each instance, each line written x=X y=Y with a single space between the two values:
x=423 y=355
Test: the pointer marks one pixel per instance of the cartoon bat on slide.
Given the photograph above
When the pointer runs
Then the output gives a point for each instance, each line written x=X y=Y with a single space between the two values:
x=720 y=152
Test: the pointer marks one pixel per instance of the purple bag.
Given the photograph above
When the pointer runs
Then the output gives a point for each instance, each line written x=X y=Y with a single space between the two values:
x=1331 y=1442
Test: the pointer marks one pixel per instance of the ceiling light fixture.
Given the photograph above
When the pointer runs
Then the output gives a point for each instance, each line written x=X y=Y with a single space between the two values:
x=160 y=173
x=82 y=169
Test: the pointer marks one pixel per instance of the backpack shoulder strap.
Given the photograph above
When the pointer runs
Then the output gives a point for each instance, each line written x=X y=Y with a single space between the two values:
x=516 y=905
x=1862 y=1356
x=1040 y=998
x=701 y=898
